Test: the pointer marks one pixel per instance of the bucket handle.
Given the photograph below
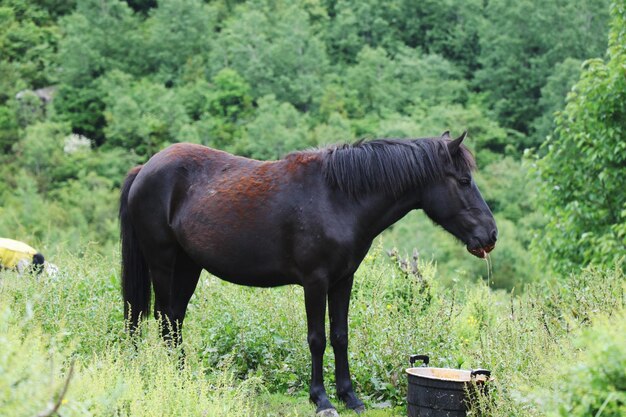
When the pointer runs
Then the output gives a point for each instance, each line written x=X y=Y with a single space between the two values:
x=424 y=358
x=475 y=372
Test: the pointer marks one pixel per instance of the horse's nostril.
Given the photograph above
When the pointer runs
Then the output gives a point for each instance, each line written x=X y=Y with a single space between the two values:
x=494 y=235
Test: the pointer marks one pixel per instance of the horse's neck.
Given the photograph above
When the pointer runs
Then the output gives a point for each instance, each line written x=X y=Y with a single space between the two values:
x=379 y=211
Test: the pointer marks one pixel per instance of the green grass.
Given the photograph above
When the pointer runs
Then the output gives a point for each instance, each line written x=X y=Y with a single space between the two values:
x=246 y=351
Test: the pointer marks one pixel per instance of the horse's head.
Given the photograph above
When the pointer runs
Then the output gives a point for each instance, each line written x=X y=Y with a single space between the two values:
x=454 y=202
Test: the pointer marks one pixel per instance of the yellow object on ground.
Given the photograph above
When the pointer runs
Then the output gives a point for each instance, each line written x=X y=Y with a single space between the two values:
x=13 y=251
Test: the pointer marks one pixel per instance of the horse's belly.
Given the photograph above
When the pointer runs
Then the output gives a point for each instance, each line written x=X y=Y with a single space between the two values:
x=256 y=280
x=258 y=263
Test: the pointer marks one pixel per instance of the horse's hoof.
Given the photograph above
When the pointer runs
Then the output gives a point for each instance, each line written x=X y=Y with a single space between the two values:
x=329 y=412
x=353 y=403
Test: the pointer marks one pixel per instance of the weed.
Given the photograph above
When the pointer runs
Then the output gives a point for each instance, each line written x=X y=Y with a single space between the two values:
x=247 y=352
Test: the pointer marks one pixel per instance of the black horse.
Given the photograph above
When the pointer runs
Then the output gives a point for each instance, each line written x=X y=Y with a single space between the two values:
x=308 y=219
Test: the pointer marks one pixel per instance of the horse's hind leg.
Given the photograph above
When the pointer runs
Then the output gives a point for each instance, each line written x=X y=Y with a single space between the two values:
x=174 y=279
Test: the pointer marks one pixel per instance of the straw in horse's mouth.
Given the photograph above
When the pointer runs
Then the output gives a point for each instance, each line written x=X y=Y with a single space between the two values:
x=481 y=252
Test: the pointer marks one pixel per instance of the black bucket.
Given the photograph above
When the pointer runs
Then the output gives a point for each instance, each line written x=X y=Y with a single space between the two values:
x=442 y=392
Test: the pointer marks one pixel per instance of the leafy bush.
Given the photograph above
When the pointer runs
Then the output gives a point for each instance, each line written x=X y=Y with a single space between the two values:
x=142 y=116
x=592 y=382
x=277 y=130
x=583 y=170
x=275 y=49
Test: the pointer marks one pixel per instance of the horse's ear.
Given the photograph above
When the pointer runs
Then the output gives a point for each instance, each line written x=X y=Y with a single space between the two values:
x=446 y=135
x=453 y=145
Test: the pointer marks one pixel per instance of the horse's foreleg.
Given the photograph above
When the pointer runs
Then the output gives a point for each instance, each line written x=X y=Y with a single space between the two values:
x=338 y=302
x=315 y=302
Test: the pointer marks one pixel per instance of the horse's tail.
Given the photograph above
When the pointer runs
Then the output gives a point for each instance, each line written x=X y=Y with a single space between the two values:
x=135 y=277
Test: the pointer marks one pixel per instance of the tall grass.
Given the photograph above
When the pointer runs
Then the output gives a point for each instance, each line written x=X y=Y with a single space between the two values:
x=246 y=351
x=47 y=324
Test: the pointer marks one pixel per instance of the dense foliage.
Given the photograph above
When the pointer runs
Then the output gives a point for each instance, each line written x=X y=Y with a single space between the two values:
x=584 y=168
x=92 y=87
x=600 y=363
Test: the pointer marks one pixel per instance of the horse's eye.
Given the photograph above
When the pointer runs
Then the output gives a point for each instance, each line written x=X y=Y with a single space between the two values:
x=465 y=181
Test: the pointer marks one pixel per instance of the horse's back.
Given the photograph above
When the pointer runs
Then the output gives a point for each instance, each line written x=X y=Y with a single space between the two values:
x=230 y=214
x=180 y=168
x=193 y=158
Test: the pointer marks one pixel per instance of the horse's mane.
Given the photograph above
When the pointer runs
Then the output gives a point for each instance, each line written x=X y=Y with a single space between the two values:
x=390 y=165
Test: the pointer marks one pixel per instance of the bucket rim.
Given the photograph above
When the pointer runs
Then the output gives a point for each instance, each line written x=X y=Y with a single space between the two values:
x=446 y=374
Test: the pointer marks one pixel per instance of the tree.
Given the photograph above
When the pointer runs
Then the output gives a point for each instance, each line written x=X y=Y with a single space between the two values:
x=40 y=152
x=449 y=28
x=521 y=41
x=141 y=115
x=553 y=93
x=178 y=33
x=488 y=139
x=337 y=129
x=444 y=27
x=221 y=107
x=275 y=50
x=397 y=84
x=584 y=168
x=28 y=39
x=8 y=129
x=100 y=36
x=277 y=129
x=83 y=108
x=360 y=23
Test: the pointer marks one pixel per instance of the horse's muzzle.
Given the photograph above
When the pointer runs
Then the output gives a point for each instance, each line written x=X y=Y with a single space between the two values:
x=481 y=252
